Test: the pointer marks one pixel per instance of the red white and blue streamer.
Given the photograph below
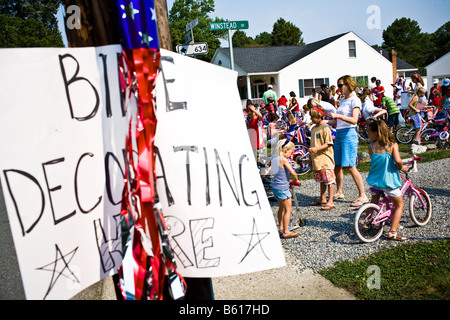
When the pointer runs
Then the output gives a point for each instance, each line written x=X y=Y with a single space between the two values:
x=153 y=265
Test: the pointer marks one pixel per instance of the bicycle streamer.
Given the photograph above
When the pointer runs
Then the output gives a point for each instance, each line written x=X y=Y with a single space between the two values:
x=139 y=208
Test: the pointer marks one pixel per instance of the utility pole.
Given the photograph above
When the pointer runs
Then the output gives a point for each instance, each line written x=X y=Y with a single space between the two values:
x=99 y=27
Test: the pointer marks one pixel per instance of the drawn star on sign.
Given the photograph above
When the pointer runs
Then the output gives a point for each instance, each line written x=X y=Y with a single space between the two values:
x=254 y=239
x=60 y=267
x=129 y=11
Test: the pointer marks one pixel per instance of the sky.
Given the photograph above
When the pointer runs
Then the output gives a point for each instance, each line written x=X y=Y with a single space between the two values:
x=322 y=19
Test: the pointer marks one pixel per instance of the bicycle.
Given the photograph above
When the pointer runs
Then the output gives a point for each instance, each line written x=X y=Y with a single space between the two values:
x=435 y=135
x=370 y=218
x=405 y=135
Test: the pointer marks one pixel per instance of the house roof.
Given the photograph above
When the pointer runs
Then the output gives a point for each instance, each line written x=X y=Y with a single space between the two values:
x=401 y=64
x=273 y=59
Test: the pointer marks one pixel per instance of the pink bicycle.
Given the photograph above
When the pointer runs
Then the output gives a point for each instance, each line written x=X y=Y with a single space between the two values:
x=370 y=218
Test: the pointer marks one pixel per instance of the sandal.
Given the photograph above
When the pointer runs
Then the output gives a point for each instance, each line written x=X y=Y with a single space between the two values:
x=317 y=202
x=339 y=196
x=328 y=207
x=397 y=237
x=289 y=235
x=359 y=202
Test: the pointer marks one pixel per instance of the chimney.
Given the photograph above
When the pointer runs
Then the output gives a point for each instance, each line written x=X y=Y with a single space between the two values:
x=393 y=59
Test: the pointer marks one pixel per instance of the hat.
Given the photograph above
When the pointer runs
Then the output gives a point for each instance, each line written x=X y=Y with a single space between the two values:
x=435 y=81
x=270 y=86
x=446 y=82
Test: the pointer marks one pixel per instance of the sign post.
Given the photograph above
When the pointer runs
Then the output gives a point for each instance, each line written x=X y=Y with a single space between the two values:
x=229 y=25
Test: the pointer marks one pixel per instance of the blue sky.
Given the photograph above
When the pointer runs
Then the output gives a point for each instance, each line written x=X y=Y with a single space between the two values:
x=321 y=19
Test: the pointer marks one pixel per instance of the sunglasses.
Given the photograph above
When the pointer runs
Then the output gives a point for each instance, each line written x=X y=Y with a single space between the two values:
x=340 y=85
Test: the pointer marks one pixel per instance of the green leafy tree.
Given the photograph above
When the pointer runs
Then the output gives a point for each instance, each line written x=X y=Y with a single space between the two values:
x=285 y=33
x=29 y=24
x=441 y=39
x=183 y=12
x=240 y=39
x=264 y=38
x=406 y=38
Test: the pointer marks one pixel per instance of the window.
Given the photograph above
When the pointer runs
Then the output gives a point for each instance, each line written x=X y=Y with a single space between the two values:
x=352 y=48
x=307 y=85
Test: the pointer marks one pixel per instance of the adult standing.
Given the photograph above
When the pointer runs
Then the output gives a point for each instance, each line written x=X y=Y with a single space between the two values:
x=372 y=83
x=270 y=94
x=324 y=95
x=255 y=129
x=346 y=140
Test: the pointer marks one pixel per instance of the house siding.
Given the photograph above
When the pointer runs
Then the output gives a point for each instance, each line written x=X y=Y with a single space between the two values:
x=439 y=69
x=333 y=61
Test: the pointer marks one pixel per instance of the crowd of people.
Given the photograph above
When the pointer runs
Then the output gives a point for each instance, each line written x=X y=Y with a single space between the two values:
x=341 y=107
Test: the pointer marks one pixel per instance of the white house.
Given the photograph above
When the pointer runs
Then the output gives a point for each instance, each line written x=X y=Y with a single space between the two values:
x=302 y=68
x=439 y=69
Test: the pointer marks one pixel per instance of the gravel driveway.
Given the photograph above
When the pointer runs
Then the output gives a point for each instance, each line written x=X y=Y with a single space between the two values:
x=329 y=236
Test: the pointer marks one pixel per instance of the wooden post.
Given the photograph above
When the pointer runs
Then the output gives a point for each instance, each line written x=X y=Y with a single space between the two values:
x=99 y=27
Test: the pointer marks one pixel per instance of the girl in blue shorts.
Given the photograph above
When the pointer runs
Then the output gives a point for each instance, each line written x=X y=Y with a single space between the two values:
x=280 y=186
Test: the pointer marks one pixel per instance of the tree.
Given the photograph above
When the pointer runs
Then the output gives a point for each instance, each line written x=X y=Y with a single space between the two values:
x=240 y=39
x=264 y=38
x=286 y=34
x=29 y=24
x=441 y=39
x=419 y=49
x=183 y=12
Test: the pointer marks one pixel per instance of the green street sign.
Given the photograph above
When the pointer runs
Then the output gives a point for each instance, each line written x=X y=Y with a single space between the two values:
x=228 y=25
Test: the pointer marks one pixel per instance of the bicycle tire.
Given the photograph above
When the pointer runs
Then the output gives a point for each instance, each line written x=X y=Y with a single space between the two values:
x=365 y=231
x=301 y=162
x=424 y=136
x=405 y=135
x=420 y=215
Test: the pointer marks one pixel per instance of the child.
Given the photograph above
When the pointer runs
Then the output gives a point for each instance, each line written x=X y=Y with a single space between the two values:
x=280 y=186
x=322 y=157
x=385 y=162
x=415 y=107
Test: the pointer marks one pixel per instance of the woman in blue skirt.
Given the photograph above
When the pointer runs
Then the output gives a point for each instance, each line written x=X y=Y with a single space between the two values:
x=346 y=141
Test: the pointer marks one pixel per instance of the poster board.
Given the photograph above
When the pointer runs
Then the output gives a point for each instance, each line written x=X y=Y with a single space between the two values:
x=206 y=167
x=62 y=131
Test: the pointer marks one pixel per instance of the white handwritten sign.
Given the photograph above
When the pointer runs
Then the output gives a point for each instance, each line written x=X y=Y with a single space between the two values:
x=62 y=131
x=208 y=182
x=62 y=134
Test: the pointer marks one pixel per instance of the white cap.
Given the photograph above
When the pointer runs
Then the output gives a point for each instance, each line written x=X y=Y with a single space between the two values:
x=435 y=81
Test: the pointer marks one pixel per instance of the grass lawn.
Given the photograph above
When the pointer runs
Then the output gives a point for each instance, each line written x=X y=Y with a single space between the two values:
x=418 y=271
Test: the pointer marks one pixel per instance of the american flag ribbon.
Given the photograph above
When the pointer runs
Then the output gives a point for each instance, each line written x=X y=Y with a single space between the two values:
x=138 y=24
x=139 y=66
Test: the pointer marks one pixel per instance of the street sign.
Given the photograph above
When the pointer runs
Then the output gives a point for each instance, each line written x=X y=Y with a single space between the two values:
x=228 y=25
x=192 y=24
x=193 y=49
x=188 y=37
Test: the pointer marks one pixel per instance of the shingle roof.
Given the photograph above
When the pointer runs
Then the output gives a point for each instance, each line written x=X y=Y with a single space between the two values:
x=273 y=59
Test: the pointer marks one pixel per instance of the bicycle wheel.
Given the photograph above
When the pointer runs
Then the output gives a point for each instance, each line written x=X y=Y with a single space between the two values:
x=365 y=230
x=405 y=135
x=425 y=137
x=301 y=159
x=420 y=208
